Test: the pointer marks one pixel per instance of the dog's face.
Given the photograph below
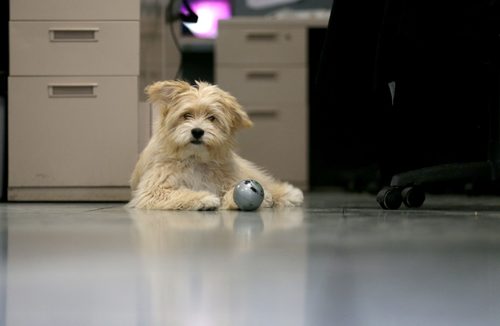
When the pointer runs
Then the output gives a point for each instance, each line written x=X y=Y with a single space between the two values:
x=196 y=120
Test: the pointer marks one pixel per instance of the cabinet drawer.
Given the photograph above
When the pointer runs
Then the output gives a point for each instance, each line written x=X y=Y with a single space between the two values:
x=74 y=9
x=74 y=48
x=254 y=44
x=278 y=141
x=69 y=131
x=265 y=85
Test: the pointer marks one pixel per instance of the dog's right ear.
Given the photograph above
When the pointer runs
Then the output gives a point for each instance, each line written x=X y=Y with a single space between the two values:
x=161 y=93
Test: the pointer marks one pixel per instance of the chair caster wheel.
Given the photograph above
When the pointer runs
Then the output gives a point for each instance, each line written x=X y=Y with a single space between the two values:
x=413 y=196
x=390 y=198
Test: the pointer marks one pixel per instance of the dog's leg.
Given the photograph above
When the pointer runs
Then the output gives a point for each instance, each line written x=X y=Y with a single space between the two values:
x=175 y=199
x=228 y=201
x=278 y=194
x=268 y=200
x=285 y=195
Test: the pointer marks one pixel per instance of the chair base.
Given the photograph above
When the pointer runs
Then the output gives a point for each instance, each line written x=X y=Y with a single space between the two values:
x=407 y=187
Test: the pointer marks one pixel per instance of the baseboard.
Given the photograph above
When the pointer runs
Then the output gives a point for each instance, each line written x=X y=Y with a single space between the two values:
x=68 y=194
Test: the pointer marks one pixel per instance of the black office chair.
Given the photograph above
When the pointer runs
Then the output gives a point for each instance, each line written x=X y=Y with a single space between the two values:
x=427 y=50
x=408 y=188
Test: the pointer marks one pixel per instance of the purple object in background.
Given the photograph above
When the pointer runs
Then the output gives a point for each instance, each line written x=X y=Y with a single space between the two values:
x=209 y=13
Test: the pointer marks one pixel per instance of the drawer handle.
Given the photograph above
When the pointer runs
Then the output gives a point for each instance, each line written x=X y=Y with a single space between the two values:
x=261 y=36
x=73 y=34
x=72 y=90
x=263 y=114
x=262 y=75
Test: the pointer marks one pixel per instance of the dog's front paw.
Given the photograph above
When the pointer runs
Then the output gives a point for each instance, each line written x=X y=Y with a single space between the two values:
x=208 y=203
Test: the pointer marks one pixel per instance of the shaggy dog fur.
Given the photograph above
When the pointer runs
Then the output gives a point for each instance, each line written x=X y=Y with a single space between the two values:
x=189 y=163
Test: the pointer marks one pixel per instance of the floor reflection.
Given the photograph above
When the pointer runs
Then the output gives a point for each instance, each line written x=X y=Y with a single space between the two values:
x=223 y=268
x=69 y=266
x=340 y=260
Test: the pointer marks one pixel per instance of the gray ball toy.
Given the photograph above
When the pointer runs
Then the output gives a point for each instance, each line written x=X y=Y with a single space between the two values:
x=248 y=195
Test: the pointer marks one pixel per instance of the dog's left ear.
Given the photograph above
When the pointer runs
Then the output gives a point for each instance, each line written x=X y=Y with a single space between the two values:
x=239 y=116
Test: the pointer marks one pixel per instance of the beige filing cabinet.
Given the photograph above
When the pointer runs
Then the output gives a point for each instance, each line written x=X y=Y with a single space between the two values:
x=263 y=62
x=73 y=99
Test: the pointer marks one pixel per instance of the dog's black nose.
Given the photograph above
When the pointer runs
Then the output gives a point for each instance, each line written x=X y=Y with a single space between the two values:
x=197 y=133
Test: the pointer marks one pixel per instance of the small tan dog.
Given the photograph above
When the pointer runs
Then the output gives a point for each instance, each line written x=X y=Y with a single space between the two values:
x=189 y=163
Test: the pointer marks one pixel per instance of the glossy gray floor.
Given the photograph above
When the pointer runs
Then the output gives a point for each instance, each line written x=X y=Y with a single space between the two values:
x=340 y=260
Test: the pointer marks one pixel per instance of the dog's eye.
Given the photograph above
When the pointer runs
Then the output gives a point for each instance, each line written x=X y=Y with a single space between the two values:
x=211 y=118
x=187 y=116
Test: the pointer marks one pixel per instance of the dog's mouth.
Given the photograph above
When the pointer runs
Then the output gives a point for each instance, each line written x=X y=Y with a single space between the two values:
x=196 y=142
